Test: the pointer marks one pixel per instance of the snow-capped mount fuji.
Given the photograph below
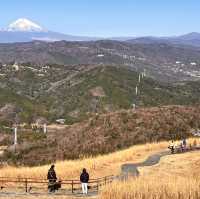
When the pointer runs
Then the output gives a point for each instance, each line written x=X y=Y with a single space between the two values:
x=25 y=25
x=25 y=30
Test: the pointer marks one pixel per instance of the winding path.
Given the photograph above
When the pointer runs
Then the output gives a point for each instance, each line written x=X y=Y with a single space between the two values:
x=132 y=169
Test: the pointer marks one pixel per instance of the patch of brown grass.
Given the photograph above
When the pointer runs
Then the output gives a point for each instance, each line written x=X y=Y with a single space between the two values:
x=106 y=133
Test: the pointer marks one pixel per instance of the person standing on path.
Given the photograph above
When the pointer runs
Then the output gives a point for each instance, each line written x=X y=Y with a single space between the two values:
x=184 y=144
x=51 y=176
x=172 y=147
x=84 y=178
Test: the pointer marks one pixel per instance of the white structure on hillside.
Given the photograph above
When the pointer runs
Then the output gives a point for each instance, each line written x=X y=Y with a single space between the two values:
x=45 y=128
x=193 y=63
x=100 y=55
x=136 y=90
x=60 y=121
x=15 y=135
x=15 y=66
x=139 y=79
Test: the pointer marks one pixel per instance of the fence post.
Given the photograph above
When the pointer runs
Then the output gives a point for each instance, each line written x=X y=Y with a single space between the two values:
x=105 y=180
x=26 y=185
x=97 y=185
x=72 y=186
x=1 y=183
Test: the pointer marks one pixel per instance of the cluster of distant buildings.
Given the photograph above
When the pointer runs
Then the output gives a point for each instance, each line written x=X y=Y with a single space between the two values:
x=182 y=64
x=17 y=67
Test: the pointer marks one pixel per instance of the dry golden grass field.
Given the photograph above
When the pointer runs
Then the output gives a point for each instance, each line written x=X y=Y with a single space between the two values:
x=176 y=176
x=97 y=166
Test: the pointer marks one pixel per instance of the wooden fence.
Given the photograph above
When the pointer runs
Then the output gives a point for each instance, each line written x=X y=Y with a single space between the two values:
x=30 y=185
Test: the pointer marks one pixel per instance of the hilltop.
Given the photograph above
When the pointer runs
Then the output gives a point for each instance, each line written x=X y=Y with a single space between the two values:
x=103 y=134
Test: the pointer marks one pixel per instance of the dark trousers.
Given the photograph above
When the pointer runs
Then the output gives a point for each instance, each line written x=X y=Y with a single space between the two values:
x=172 y=149
x=51 y=185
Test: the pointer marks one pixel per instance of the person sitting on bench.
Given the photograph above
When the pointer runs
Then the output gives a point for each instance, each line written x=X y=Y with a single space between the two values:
x=51 y=176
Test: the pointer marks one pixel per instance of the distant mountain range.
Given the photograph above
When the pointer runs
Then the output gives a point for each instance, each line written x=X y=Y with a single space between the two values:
x=162 y=61
x=192 y=39
x=24 y=30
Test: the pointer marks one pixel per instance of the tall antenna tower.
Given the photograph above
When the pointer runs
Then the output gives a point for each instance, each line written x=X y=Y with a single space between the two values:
x=139 y=79
x=45 y=128
x=136 y=90
x=15 y=136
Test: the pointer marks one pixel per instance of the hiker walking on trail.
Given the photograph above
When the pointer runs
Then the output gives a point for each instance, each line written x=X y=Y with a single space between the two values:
x=84 y=178
x=51 y=176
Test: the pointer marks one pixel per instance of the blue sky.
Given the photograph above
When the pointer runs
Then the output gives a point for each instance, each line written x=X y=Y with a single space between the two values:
x=107 y=17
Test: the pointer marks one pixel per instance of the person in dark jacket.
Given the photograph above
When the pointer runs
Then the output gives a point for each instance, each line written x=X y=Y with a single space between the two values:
x=184 y=144
x=51 y=176
x=84 y=178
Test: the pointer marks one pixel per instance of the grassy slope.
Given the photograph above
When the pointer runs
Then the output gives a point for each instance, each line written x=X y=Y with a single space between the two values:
x=109 y=132
x=27 y=108
x=97 y=166
x=178 y=174
x=175 y=177
x=106 y=133
x=118 y=84
x=74 y=96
